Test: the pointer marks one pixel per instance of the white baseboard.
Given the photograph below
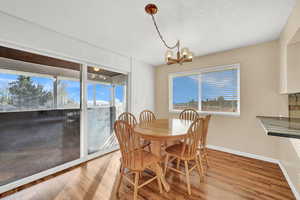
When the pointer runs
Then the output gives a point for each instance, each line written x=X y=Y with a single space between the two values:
x=263 y=158
x=293 y=188
x=240 y=153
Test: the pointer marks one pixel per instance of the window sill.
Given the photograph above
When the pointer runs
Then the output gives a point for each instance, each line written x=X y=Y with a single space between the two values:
x=237 y=114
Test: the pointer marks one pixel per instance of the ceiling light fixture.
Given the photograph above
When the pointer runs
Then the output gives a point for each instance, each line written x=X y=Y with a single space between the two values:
x=96 y=69
x=182 y=55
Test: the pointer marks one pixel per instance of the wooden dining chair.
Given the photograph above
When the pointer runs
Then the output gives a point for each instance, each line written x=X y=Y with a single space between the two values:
x=131 y=120
x=187 y=151
x=203 y=147
x=128 y=117
x=134 y=158
x=147 y=116
x=189 y=114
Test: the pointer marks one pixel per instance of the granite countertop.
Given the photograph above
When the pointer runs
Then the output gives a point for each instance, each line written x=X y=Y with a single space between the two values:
x=281 y=126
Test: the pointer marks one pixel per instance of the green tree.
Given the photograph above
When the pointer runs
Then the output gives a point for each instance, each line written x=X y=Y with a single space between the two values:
x=4 y=97
x=24 y=93
x=221 y=99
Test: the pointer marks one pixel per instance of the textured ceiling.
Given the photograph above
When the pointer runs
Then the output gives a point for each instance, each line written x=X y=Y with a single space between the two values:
x=205 y=26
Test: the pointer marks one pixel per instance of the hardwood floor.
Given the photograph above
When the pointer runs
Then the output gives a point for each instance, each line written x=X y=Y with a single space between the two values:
x=229 y=177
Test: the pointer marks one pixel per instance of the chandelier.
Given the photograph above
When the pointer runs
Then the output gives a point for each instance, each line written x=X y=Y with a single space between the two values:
x=182 y=55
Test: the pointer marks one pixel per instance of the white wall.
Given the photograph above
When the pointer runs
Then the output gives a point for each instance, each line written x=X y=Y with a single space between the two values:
x=143 y=87
x=293 y=64
x=16 y=32
x=286 y=37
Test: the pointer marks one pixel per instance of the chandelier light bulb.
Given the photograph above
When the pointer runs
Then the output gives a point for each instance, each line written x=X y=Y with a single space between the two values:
x=190 y=55
x=96 y=69
x=184 y=51
x=169 y=54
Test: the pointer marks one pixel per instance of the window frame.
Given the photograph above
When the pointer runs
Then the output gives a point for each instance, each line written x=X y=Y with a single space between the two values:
x=199 y=72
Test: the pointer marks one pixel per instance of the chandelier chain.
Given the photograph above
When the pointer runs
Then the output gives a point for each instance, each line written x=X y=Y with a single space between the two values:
x=161 y=37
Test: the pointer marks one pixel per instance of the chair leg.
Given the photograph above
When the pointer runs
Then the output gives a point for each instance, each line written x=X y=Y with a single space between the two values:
x=159 y=184
x=178 y=163
x=187 y=174
x=200 y=157
x=199 y=167
x=120 y=180
x=166 y=164
x=205 y=156
x=136 y=184
x=160 y=174
x=201 y=164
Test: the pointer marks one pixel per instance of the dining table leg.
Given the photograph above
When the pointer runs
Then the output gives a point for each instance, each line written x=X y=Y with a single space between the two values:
x=156 y=150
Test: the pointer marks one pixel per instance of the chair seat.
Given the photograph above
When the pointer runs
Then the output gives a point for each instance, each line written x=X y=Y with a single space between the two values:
x=138 y=164
x=176 y=150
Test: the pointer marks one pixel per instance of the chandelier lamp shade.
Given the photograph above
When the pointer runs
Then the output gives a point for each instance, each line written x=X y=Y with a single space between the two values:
x=182 y=54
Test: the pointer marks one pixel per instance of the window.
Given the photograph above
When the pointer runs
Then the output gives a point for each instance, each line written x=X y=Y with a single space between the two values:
x=25 y=91
x=185 y=92
x=120 y=99
x=99 y=94
x=68 y=93
x=213 y=90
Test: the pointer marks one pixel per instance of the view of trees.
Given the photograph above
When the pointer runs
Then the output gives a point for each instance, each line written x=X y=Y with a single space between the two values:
x=217 y=104
x=24 y=93
x=4 y=96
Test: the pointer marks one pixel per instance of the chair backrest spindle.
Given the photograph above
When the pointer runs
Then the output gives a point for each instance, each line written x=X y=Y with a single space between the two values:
x=129 y=118
x=147 y=116
x=189 y=114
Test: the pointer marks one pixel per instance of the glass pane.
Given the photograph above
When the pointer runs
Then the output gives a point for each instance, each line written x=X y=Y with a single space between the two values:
x=103 y=95
x=68 y=93
x=120 y=99
x=185 y=92
x=99 y=116
x=219 y=91
x=31 y=142
x=35 y=135
x=24 y=92
x=106 y=94
x=101 y=111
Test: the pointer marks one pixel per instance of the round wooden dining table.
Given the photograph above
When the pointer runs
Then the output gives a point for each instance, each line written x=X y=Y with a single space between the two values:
x=160 y=131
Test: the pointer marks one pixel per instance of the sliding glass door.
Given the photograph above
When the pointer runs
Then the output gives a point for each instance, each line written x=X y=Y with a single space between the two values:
x=54 y=114
x=106 y=97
